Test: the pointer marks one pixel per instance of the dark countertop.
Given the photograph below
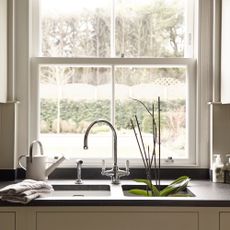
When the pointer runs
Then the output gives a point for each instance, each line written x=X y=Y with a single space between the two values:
x=207 y=194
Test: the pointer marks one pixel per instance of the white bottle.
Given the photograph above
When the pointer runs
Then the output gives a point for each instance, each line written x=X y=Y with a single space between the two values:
x=217 y=169
x=227 y=164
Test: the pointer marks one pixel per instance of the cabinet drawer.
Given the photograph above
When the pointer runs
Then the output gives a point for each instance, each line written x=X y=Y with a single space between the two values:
x=7 y=221
x=117 y=220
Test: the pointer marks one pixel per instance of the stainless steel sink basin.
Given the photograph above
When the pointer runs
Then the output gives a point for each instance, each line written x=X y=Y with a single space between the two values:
x=83 y=190
x=186 y=192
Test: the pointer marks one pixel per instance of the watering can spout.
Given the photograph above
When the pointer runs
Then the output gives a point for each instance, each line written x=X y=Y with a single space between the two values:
x=53 y=166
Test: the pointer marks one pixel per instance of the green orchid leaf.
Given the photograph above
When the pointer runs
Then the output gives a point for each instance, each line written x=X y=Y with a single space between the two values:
x=145 y=181
x=180 y=179
x=181 y=195
x=181 y=184
x=178 y=185
x=153 y=188
x=139 y=192
x=171 y=190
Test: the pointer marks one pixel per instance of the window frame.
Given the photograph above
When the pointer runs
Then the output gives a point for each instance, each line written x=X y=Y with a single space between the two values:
x=189 y=63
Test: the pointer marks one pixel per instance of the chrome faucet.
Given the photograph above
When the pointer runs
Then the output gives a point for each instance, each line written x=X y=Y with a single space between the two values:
x=115 y=173
x=79 y=165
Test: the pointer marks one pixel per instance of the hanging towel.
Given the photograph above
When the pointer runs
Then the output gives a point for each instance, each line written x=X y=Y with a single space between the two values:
x=25 y=191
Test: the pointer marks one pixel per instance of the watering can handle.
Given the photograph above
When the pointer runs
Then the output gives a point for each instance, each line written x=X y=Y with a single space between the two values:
x=19 y=162
x=31 y=149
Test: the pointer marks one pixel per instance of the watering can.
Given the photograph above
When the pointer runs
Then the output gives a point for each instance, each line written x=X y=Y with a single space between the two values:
x=36 y=164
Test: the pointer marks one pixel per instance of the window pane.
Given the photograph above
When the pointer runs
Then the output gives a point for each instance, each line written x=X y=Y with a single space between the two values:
x=154 y=28
x=146 y=84
x=74 y=28
x=70 y=99
x=149 y=28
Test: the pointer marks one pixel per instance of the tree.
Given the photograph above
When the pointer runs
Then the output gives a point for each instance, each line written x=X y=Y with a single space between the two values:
x=58 y=76
x=153 y=29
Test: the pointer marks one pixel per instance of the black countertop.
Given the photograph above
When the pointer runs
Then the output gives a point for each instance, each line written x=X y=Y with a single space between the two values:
x=207 y=194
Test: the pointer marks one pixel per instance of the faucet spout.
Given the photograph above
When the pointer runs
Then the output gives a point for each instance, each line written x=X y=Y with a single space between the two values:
x=114 y=137
x=115 y=173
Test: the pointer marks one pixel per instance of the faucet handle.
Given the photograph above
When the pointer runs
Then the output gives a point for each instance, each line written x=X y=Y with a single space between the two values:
x=121 y=173
x=108 y=172
x=127 y=166
x=115 y=173
x=126 y=171
x=103 y=167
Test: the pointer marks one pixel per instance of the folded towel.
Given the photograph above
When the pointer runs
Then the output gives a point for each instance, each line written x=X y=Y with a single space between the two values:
x=24 y=186
x=20 y=199
x=24 y=191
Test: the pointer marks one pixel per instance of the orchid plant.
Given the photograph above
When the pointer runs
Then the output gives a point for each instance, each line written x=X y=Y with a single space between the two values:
x=149 y=159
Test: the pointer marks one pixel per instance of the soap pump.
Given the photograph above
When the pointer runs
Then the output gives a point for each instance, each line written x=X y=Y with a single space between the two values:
x=227 y=170
x=217 y=169
x=227 y=164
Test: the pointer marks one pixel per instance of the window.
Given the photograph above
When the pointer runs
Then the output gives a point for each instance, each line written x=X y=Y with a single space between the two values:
x=94 y=57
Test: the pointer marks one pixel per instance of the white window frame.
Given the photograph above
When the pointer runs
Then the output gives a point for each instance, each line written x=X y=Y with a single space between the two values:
x=188 y=63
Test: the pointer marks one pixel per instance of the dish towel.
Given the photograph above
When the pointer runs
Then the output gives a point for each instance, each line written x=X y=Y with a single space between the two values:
x=25 y=191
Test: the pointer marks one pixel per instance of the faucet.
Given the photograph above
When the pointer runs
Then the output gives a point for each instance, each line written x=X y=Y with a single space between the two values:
x=115 y=173
x=79 y=165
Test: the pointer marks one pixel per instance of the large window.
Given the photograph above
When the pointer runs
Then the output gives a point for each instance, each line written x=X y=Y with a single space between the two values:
x=94 y=57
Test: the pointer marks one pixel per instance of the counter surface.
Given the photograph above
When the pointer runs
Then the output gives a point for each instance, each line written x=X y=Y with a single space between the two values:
x=207 y=194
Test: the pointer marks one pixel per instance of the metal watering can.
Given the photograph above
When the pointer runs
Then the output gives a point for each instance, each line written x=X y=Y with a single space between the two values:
x=36 y=164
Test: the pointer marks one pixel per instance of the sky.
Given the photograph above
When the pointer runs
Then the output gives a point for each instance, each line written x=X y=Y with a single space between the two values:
x=73 y=6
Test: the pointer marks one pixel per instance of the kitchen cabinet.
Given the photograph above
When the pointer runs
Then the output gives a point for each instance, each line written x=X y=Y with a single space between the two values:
x=224 y=220
x=113 y=218
x=105 y=220
x=7 y=221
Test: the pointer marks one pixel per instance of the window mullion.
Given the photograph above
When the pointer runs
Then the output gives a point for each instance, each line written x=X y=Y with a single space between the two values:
x=113 y=100
x=36 y=30
x=112 y=33
x=113 y=96
x=189 y=35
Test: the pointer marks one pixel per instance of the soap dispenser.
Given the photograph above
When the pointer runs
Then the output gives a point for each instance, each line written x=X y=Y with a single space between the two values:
x=227 y=170
x=227 y=164
x=217 y=169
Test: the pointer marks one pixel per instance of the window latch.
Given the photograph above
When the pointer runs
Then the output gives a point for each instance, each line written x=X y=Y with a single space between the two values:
x=169 y=160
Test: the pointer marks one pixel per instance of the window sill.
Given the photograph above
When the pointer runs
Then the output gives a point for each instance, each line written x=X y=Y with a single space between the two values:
x=95 y=173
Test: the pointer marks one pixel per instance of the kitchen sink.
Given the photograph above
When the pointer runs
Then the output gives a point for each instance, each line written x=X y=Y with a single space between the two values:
x=82 y=190
x=186 y=192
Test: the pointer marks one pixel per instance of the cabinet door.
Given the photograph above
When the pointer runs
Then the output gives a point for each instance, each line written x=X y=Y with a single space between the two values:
x=7 y=221
x=224 y=221
x=117 y=220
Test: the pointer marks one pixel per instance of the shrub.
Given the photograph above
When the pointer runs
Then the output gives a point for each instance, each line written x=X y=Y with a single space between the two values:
x=75 y=116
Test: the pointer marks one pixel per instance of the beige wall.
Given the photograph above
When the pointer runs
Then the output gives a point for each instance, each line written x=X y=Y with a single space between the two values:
x=3 y=50
x=8 y=117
